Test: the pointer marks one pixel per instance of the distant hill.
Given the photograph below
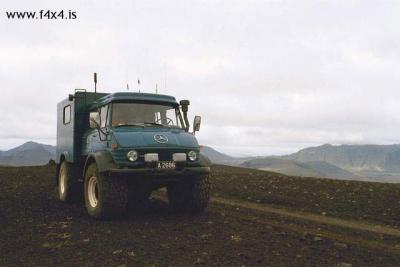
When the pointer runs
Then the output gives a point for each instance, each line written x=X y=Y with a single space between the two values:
x=28 y=154
x=285 y=165
x=356 y=162
x=354 y=157
x=353 y=162
x=296 y=168
x=217 y=157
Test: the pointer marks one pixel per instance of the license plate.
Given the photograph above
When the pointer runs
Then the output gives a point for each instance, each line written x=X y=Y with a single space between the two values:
x=166 y=165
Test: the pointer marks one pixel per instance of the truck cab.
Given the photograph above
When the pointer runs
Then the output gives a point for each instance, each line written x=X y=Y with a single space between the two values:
x=117 y=148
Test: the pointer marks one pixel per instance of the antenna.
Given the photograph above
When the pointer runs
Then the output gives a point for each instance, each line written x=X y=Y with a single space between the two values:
x=138 y=82
x=165 y=76
x=95 y=82
x=127 y=87
x=156 y=88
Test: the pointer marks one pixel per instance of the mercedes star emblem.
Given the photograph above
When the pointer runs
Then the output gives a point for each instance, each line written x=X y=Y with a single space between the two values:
x=160 y=138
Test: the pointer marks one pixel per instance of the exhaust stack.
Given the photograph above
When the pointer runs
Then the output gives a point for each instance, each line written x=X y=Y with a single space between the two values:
x=95 y=81
x=185 y=107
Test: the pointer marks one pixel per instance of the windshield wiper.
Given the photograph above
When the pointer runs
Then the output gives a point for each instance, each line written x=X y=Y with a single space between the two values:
x=154 y=123
x=129 y=124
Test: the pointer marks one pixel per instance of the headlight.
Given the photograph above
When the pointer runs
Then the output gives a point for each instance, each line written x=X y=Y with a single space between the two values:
x=132 y=155
x=192 y=155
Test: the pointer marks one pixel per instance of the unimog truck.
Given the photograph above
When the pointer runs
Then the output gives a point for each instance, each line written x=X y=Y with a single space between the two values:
x=113 y=150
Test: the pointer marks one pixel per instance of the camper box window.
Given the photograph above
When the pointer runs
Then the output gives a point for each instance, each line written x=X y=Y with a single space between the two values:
x=67 y=114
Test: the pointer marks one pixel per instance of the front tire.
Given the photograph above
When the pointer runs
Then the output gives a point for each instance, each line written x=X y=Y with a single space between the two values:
x=105 y=196
x=190 y=195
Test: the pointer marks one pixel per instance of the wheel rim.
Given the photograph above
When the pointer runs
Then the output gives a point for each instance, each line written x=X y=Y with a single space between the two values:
x=93 y=191
x=62 y=181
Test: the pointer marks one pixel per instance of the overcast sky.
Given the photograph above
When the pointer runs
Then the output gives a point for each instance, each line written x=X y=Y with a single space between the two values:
x=267 y=77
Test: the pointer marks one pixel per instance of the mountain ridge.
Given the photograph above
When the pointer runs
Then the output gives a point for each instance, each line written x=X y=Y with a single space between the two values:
x=368 y=162
x=356 y=162
x=28 y=154
x=353 y=157
x=297 y=168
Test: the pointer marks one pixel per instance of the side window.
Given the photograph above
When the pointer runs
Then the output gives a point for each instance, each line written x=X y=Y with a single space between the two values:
x=103 y=116
x=67 y=114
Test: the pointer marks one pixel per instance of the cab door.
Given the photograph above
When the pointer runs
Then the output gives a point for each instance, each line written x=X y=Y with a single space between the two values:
x=97 y=140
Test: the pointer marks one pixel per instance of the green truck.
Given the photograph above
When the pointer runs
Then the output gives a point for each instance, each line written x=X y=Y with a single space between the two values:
x=113 y=150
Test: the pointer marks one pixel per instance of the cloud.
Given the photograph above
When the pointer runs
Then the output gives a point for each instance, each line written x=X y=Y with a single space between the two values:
x=268 y=77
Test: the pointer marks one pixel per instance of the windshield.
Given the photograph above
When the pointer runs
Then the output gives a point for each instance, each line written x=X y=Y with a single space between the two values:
x=142 y=114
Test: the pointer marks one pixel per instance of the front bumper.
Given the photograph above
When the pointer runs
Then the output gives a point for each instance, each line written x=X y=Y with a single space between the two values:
x=160 y=173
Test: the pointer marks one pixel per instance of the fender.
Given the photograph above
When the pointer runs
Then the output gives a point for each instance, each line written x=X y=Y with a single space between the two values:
x=103 y=160
x=64 y=155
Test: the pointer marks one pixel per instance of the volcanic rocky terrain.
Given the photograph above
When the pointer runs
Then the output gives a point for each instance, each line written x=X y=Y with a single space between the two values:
x=255 y=218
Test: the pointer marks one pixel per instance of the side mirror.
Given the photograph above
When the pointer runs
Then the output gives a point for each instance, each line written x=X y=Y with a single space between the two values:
x=196 y=123
x=94 y=120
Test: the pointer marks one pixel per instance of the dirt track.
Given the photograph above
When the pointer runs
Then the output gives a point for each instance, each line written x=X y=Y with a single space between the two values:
x=315 y=218
x=38 y=230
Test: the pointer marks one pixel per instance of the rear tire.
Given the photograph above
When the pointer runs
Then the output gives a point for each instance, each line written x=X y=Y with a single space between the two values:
x=68 y=187
x=191 y=195
x=105 y=196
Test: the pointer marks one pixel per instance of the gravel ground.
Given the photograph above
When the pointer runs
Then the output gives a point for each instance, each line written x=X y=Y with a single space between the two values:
x=36 y=229
x=370 y=201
